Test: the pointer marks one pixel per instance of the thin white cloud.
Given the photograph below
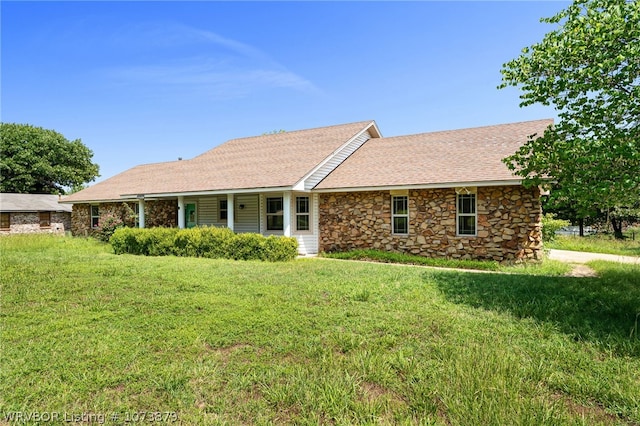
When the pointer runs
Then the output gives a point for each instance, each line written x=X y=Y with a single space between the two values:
x=224 y=68
x=218 y=81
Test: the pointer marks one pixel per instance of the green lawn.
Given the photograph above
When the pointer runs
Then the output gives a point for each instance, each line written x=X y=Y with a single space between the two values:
x=314 y=341
x=597 y=244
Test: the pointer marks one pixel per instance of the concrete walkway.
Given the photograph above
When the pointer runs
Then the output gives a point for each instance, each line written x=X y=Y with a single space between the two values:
x=583 y=257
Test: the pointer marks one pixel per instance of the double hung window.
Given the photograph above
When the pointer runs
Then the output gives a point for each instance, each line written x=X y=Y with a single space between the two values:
x=466 y=214
x=303 y=214
x=400 y=214
x=275 y=218
x=95 y=216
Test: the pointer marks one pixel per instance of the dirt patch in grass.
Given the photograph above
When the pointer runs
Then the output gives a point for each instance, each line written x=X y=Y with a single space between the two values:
x=582 y=271
x=594 y=412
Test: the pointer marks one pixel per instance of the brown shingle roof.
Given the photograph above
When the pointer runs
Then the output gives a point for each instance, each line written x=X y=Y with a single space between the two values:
x=457 y=156
x=268 y=161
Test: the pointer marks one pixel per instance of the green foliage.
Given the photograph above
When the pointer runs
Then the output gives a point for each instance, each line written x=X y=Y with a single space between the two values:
x=206 y=242
x=107 y=226
x=34 y=160
x=313 y=341
x=588 y=68
x=550 y=225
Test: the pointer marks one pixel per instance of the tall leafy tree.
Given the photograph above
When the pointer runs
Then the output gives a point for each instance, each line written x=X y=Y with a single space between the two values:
x=39 y=161
x=588 y=68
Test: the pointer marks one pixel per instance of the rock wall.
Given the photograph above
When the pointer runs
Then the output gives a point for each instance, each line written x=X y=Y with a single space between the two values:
x=508 y=224
x=157 y=213
x=29 y=223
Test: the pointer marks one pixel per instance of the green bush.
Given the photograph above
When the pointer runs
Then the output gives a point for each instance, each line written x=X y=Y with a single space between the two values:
x=203 y=242
x=280 y=249
x=107 y=227
x=550 y=225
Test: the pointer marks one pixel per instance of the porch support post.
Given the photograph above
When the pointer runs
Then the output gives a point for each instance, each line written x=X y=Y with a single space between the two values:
x=230 y=213
x=141 y=212
x=181 y=212
x=286 y=213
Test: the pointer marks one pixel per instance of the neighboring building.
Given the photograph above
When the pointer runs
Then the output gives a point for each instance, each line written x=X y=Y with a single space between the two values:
x=441 y=194
x=33 y=213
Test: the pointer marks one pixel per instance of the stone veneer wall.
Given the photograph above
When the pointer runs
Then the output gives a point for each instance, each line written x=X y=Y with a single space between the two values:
x=29 y=223
x=157 y=213
x=508 y=226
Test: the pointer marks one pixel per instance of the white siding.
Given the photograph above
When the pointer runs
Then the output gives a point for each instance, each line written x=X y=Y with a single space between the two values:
x=335 y=161
x=247 y=219
x=208 y=211
x=308 y=242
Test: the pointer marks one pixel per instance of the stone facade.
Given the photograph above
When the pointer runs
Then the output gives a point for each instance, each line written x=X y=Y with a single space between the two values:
x=161 y=213
x=508 y=224
x=29 y=223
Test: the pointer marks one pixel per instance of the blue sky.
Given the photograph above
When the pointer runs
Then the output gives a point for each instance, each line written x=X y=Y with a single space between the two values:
x=143 y=82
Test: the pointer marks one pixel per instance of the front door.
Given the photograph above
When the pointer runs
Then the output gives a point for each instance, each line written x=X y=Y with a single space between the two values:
x=190 y=215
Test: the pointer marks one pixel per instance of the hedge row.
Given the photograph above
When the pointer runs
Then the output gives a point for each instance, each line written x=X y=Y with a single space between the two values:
x=203 y=242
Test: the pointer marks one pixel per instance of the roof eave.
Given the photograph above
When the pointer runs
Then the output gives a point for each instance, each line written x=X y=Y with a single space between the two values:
x=439 y=185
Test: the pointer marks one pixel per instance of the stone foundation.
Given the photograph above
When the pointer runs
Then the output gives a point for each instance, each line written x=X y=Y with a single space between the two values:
x=29 y=223
x=508 y=224
x=161 y=213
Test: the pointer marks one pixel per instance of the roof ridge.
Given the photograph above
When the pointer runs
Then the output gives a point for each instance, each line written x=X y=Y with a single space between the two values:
x=470 y=128
x=304 y=130
x=286 y=132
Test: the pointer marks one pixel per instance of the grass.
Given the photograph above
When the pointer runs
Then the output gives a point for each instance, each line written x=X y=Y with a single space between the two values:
x=548 y=267
x=312 y=341
x=596 y=244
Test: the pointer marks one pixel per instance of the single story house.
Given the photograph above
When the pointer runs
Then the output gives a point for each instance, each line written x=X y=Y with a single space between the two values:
x=33 y=213
x=439 y=194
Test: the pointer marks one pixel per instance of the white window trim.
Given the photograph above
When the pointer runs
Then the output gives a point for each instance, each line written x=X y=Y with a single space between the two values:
x=267 y=214
x=296 y=214
x=467 y=191
x=395 y=215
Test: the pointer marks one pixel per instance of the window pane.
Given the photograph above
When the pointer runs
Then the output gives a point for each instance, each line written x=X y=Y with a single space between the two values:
x=94 y=211
x=467 y=203
x=302 y=222
x=302 y=204
x=94 y=222
x=399 y=205
x=274 y=205
x=467 y=225
x=275 y=223
x=400 y=225
x=223 y=210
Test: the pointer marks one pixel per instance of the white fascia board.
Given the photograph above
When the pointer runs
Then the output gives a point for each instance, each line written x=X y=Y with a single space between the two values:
x=116 y=200
x=213 y=192
x=300 y=184
x=423 y=186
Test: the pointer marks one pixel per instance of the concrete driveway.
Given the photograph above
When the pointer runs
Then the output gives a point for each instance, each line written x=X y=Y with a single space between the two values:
x=583 y=257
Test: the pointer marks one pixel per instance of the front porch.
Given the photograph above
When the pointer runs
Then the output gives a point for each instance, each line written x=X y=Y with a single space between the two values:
x=284 y=213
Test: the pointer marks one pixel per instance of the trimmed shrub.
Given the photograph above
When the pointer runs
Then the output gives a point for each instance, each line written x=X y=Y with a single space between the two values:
x=203 y=242
x=280 y=249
